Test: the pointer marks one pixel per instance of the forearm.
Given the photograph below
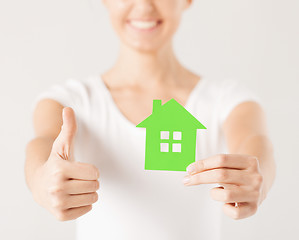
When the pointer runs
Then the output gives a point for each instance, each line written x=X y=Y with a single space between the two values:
x=261 y=147
x=37 y=153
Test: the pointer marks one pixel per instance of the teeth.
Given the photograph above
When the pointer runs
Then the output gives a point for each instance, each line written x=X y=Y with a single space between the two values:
x=143 y=24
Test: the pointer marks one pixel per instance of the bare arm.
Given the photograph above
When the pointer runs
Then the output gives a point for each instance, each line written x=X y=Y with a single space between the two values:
x=246 y=133
x=47 y=124
x=245 y=174
x=58 y=183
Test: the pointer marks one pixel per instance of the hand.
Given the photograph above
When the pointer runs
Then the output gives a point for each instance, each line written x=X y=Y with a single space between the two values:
x=241 y=179
x=65 y=187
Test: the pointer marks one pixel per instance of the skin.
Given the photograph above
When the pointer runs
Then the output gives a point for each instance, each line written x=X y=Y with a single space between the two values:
x=247 y=173
x=65 y=187
x=148 y=55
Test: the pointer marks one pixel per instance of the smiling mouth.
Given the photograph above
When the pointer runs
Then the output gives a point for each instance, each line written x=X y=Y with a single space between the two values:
x=143 y=25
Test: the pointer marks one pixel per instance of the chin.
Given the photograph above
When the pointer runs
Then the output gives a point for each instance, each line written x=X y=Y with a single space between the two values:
x=144 y=46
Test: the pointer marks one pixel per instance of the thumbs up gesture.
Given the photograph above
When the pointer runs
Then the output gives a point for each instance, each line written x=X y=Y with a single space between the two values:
x=65 y=187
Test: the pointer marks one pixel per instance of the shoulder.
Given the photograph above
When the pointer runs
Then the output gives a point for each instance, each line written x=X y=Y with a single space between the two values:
x=231 y=93
x=72 y=92
x=220 y=86
x=226 y=85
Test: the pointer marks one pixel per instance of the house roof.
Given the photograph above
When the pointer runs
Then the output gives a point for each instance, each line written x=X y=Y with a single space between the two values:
x=171 y=115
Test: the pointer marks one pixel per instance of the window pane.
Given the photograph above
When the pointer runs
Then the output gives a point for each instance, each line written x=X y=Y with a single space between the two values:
x=177 y=135
x=164 y=147
x=176 y=147
x=164 y=134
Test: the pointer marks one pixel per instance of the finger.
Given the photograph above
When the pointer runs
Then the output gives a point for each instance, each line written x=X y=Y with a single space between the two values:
x=79 y=200
x=81 y=186
x=235 y=161
x=64 y=142
x=244 y=210
x=235 y=194
x=227 y=186
x=218 y=175
x=81 y=171
x=73 y=213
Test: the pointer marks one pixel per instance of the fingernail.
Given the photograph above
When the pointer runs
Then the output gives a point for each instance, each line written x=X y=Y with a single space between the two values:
x=190 y=168
x=186 y=179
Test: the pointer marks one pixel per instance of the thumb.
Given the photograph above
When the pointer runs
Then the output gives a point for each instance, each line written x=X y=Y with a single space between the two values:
x=63 y=144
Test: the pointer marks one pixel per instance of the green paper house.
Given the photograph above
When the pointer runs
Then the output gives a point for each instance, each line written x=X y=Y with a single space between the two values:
x=170 y=137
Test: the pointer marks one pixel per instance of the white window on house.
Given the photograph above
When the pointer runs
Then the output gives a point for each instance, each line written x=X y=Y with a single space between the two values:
x=164 y=147
x=176 y=147
x=164 y=134
x=177 y=135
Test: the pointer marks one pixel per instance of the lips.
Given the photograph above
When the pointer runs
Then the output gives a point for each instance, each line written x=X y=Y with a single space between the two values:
x=144 y=25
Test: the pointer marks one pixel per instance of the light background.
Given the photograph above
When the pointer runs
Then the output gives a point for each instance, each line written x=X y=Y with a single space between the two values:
x=45 y=42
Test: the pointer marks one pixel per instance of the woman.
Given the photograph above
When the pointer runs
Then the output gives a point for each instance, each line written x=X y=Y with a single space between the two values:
x=63 y=164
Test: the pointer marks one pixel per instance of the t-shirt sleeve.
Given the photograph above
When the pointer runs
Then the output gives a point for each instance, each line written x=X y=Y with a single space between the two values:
x=66 y=93
x=234 y=93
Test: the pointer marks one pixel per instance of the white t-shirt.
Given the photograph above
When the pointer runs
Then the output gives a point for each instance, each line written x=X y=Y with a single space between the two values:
x=135 y=203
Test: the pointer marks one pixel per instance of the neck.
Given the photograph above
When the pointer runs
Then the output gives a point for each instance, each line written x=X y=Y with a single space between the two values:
x=138 y=68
